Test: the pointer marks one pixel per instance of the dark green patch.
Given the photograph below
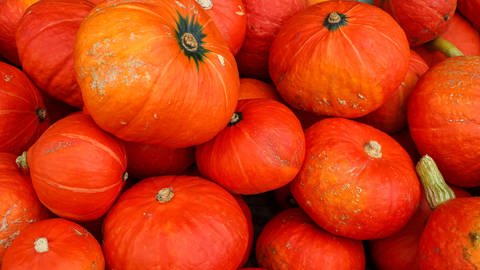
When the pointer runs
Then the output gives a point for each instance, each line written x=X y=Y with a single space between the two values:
x=190 y=37
x=335 y=20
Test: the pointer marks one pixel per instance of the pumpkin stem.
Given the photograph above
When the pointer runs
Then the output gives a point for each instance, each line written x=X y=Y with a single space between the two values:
x=205 y=4
x=165 y=195
x=436 y=189
x=236 y=117
x=41 y=245
x=334 y=17
x=335 y=20
x=41 y=114
x=125 y=176
x=189 y=42
x=22 y=161
x=373 y=149
x=445 y=47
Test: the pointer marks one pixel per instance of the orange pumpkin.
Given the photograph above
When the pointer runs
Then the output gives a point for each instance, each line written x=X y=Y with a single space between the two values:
x=253 y=88
x=469 y=9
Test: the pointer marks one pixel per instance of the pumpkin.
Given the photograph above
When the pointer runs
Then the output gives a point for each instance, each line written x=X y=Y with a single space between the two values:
x=405 y=140
x=422 y=20
x=260 y=150
x=248 y=216
x=147 y=160
x=356 y=181
x=443 y=118
x=291 y=240
x=319 y=69
x=253 y=88
x=19 y=205
x=175 y=222
x=230 y=18
x=469 y=8
x=22 y=112
x=391 y=117
x=50 y=26
x=77 y=169
x=461 y=33
x=54 y=244
x=264 y=20
x=184 y=77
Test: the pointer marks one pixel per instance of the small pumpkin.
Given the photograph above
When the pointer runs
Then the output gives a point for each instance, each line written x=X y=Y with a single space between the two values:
x=253 y=88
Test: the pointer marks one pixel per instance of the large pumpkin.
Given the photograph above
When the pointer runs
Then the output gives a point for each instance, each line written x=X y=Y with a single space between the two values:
x=356 y=181
x=77 y=170
x=260 y=150
x=54 y=244
x=45 y=40
x=156 y=72
x=175 y=222
x=339 y=58
x=444 y=119
x=22 y=112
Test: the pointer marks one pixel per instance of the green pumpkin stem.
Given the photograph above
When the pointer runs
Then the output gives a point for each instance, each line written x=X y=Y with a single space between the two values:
x=444 y=46
x=22 y=161
x=436 y=189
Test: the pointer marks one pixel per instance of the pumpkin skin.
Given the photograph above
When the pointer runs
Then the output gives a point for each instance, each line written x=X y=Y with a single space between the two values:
x=264 y=20
x=391 y=117
x=22 y=112
x=318 y=70
x=77 y=170
x=51 y=25
x=443 y=118
x=469 y=9
x=201 y=227
x=69 y=246
x=422 y=20
x=253 y=88
x=261 y=150
x=248 y=216
x=19 y=205
x=185 y=78
x=291 y=240
x=348 y=168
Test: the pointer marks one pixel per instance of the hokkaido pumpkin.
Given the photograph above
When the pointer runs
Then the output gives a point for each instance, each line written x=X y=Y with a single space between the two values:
x=175 y=222
x=253 y=88
x=469 y=9
x=50 y=26
x=54 y=244
x=260 y=150
x=77 y=170
x=356 y=181
x=248 y=216
x=316 y=57
x=156 y=72
x=22 y=112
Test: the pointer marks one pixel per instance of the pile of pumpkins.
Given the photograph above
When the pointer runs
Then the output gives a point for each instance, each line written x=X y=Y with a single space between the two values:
x=138 y=134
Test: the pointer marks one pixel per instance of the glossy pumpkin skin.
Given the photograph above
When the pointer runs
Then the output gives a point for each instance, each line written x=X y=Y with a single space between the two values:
x=70 y=246
x=264 y=20
x=253 y=88
x=77 y=169
x=356 y=181
x=19 y=205
x=248 y=216
x=450 y=238
x=469 y=9
x=50 y=26
x=291 y=240
x=318 y=70
x=201 y=227
x=263 y=151
x=391 y=117
x=422 y=20
x=185 y=78
x=22 y=112
x=444 y=120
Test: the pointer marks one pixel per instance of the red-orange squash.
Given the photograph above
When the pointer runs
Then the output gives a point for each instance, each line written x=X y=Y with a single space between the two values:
x=444 y=120
x=77 y=169
x=469 y=9
x=45 y=41
x=291 y=240
x=260 y=150
x=356 y=181
x=22 y=112
x=339 y=58
x=175 y=222
x=253 y=88
x=248 y=216
x=54 y=244
x=156 y=72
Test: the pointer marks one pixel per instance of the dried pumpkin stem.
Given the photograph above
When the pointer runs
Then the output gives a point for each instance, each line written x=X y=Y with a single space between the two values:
x=22 y=161
x=236 y=117
x=41 y=114
x=445 y=47
x=436 y=189
x=334 y=17
x=165 y=195
x=373 y=149
x=125 y=176
x=189 y=42
x=41 y=245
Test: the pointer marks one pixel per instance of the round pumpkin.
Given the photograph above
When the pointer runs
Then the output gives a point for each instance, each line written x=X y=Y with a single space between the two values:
x=291 y=240
x=444 y=121
x=316 y=57
x=77 y=169
x=356 y=181
x=253 y=88
x=175 y=222
x=45 y=41
x=260 y=150
x=19 y=205
x=22 y=112
x=54 y=244
x=248 y=216
x=469 y=8
x=176 y=86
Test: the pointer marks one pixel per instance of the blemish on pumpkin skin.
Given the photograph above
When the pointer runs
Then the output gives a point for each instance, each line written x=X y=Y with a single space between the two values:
x=7 y=77
x=123 y=123
x=240 y=12
x=221 y=59
x=4 y=224
x=77 y=232
x=180 y=4
x=5 y=243
x=59 y=145
x=341 y=101
x=360 y=96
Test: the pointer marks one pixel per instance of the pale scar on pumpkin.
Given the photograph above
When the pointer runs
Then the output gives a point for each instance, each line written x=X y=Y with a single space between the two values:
x=240 y=11
x=5 y=243
x=180 y=4
x=205 y=4
x=221 y=59
x=4 y=223
x=59 y=145
x=7 y=77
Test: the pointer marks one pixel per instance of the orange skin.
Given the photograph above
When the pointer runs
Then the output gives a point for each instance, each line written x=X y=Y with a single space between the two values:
x=253 y=88
x=70 y=246
x=444 y=120
x=248 y=215
x=470 y=8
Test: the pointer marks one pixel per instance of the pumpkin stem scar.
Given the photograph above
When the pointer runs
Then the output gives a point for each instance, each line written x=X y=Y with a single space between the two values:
x=189 y=42
x=236 y=117
x=125 y=176
x=373 y=149
x=22 y=161
x=41 y=114
x=165 y=195
x=335 y=20
x=41 y=245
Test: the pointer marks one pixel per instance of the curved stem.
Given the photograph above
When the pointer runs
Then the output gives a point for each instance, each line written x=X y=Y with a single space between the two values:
x=445 y=47
x=436 y=189
x=22 y=161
